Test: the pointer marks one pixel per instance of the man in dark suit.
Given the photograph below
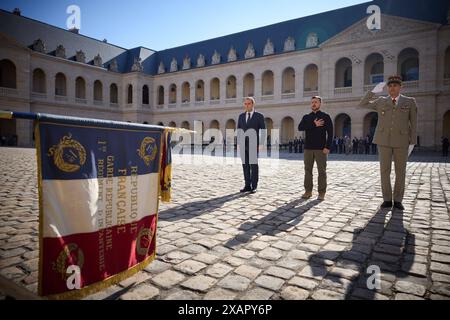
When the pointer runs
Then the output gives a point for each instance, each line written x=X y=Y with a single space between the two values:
x=249 y=125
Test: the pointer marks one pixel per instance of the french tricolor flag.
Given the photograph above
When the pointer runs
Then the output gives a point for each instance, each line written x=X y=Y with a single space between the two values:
x=99 y=185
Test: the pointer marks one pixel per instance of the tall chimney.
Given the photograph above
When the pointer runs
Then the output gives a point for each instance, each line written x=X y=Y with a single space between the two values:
x=17 y=12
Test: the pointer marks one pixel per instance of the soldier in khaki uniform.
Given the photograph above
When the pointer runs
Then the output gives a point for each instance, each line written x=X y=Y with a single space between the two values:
x=396 y=131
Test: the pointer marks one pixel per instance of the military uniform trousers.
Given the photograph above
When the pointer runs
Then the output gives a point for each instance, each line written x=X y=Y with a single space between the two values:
x=320 y=158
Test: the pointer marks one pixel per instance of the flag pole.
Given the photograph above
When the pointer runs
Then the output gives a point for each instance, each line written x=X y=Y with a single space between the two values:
x=44 y=116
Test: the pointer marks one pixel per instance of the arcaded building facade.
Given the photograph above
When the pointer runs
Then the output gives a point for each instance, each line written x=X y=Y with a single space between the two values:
x=334 y=54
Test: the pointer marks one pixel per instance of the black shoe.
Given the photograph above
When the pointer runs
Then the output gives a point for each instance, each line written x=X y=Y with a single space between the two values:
x=399 y=206
x=253 y=190
x=386 y=204
x=246 y=189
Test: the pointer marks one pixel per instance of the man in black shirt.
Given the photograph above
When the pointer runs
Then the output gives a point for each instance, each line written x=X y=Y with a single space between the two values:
x=319 y=138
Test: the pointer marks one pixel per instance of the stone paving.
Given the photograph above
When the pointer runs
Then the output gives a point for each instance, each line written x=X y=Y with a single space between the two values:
x=214 y=243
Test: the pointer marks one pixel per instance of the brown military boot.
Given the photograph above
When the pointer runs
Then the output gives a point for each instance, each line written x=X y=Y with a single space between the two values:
x=321 y=196
x=307 y=195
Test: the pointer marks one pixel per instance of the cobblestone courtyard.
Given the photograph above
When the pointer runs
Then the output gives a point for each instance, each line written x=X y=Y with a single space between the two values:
x=214 y=243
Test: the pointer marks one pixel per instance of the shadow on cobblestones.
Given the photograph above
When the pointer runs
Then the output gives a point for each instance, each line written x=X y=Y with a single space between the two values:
x=197 y=208
x=388 y=247
x=279 y=220
x=430 y=157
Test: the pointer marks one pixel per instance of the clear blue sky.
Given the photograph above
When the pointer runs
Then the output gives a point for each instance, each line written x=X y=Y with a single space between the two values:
x=166 y=24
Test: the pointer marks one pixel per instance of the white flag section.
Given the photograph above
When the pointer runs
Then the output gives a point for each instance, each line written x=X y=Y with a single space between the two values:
x=94 y=204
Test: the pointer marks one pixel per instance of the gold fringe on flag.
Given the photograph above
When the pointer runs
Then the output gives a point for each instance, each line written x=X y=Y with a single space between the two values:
x=166 y=169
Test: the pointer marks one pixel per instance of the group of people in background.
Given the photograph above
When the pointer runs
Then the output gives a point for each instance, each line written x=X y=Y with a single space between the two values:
x=340 y=145
x=296 y=145
x=354 y=146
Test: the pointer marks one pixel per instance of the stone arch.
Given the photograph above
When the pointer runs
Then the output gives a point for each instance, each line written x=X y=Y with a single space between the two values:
x=8 y=132
x=161 y=95
x=267 y=83
x=343 y=75
x=446 y=125
x=98 y=90
x=60 y=84
x=130 y=94
x=145 y=95
x=39 y=81
x=186 y=92
x=409 y=64
x=231 y=87
x=113 y=93
x=370 y=124
x=80 y=88
x=8 y=77
x=288 y=80
x=173 y=93
x=214 y=89
x=374 y=69
x=200 y=91
x=287 y=129
x=311 y=78
x=249 y=85
x=343 y=125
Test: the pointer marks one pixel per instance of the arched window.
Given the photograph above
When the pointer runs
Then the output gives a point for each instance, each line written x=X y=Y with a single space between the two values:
x=8 y=74
x=374 y=69
x=39 y=85
x=173 y=94
x=287 y=130
x=288 y=82
x=200 y=91
x=160 y=95
x=145 y=95
x=408 y=64
x=113 y=93
x=249 y=85
x=267 y=83
x=60 y=84
x=343 y=73
x=446 y=125
x=80 y=88
x=98 y=90
x=343 y=126
x=186 y=92
x=311 y=78
x=215 y=89
x=130 y=94
x=370 y=124
x=231 y=87
x=185 y=125
x=447 y=64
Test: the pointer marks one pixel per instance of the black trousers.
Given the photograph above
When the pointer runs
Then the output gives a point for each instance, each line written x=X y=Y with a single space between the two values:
x=251 y=172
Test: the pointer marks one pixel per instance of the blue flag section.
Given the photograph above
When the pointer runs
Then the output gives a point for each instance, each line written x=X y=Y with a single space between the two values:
x=74 y=151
